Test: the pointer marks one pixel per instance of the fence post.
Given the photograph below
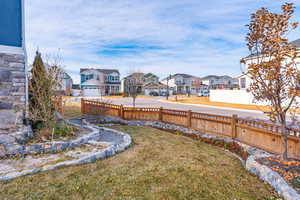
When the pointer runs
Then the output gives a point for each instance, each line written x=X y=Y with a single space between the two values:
x=233 y=126
x=82 y=106
x=122 y=112
x=160 y=114
x=189 y=119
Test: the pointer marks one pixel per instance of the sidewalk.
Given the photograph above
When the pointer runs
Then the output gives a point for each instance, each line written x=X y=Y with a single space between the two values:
x=209 y=106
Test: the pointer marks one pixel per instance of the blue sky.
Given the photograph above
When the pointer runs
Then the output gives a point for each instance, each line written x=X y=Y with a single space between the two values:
x=161 y=36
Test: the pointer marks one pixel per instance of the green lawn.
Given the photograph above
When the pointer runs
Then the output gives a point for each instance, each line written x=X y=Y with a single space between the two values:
x=159 y=165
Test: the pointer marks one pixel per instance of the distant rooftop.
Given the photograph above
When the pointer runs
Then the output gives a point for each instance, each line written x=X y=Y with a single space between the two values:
x=136 y=74
x=215 y=77
x=105 y=71
x=183 y=75
x=296 y=43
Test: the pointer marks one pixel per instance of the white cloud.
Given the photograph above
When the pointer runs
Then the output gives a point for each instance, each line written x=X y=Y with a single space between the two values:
x=195 y=37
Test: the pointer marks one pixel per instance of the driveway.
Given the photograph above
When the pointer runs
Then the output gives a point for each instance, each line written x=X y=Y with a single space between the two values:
x=160 y=102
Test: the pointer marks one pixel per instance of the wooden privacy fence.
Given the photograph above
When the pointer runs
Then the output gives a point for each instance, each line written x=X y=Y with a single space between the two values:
x=58 y=104
x=255 y=133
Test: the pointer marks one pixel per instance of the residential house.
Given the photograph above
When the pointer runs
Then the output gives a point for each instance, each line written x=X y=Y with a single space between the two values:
x=245 y=81
x=144 y=83
x=135 y=80
x=183 y=83
x=241 y=96
x=99 y=82
x=66 y=84
x=76 y=90
x=152 y=85
x=237 y=94
x=150 y=78
x=219 y=82
x=13 y=66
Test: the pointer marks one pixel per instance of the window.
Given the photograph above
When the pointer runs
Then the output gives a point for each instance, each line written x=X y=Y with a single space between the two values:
x=243 y=83
x=88 y=77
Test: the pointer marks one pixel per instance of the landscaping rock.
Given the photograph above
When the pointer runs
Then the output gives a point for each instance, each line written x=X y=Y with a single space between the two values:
x=5 y=139
x=5 y=106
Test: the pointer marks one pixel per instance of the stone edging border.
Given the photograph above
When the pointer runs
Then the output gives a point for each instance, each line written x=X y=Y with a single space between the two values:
x=104 y=153
x=49 y=147
x=262 y=171
x=273 y=178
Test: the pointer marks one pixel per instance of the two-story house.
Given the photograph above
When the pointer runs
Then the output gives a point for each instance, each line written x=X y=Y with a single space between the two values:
x=144 y=83
x=99 y=82
x=152 y=85
x=135 y=80
x=13 y=66
x=219 y=82
x=182 y=83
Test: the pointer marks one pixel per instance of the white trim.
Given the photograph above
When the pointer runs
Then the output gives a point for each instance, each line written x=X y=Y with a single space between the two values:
x=23 y=23
x=26 y=61
x=11 y=50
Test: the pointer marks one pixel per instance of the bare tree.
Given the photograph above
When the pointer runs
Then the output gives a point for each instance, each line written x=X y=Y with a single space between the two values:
x=133 y=85
x=132 y=89
x=272 y=66
x=43 y=84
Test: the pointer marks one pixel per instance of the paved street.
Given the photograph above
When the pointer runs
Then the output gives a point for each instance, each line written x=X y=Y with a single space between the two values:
x=159 y=102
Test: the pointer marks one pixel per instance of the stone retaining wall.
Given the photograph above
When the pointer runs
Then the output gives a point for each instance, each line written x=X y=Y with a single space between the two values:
x=12 y=92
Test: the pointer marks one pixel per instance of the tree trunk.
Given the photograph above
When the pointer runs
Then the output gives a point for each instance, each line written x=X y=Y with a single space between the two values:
x=284 y=139
x=133 y=102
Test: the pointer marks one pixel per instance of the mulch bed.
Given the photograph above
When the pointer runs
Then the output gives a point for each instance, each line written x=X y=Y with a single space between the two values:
x=289 y=170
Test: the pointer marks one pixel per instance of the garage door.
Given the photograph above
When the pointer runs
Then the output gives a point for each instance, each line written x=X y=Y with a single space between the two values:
x=91 y=92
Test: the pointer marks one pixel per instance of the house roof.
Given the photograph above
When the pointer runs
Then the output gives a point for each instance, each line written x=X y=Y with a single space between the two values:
x=105 y=71
x=296 y=43
x=149 y=75
x=66 y=75
x=215 y=77
x=153 y=84
x=183 y=75
x=135 y=75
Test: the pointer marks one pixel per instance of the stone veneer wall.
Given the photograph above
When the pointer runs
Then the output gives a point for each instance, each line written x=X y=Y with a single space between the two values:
x=12 y=92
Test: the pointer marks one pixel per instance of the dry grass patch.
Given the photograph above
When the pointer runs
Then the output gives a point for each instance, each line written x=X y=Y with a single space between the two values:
x=206 y=101
x=159 y=165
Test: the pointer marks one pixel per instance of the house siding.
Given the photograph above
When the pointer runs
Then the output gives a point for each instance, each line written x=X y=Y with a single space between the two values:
x=11 y=23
